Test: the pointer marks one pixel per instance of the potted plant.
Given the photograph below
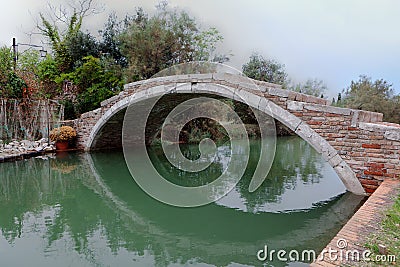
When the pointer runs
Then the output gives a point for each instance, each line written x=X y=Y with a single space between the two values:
x=62 y=136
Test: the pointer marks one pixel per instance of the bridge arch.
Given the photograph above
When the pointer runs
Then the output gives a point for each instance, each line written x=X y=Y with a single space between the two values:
x=230 y=86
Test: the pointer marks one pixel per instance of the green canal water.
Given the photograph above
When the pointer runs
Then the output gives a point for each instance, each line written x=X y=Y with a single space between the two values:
x=81 y=209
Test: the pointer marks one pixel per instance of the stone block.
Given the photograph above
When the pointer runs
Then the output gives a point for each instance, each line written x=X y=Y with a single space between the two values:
x=279 y=92
x=213 y=88
x=279 y=113
x=295 y=105
x=156 y=90
x=203 y=77
x=248 y=86
x=231 y=78
x=183 y=87
x=328 y=109
x=349 y=178
x=365 y=116
x=132 y=85
x=393 y=134
x=248 y=98
x=335 y=161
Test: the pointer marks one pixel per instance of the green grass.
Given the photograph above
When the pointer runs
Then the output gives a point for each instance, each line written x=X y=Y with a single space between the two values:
x=388 y=235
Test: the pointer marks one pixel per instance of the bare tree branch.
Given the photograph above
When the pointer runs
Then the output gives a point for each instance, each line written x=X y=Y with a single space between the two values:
x=62 y=14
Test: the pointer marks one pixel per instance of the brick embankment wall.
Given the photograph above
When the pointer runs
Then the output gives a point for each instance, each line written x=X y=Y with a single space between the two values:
x=367 y=219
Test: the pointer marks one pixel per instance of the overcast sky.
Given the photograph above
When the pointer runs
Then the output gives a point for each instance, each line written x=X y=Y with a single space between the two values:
x=333 y=40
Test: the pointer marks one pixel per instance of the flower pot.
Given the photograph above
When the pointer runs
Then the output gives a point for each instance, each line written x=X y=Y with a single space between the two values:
x=62 y=145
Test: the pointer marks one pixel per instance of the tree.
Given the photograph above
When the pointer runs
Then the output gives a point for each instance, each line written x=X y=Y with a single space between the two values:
x=60 y=40
x=85 y=71
x=62 y=28
x=267 y=70
x=26 y=69
x=110 y=44
x=81 y=45
x=80 y=73
x=11 y=85
x=6 y=66
x=48 y=72
x=205 y=46
x=96 y=80
x=394 y=111
x=170 y=37
x=312 y=87
x=376 y=96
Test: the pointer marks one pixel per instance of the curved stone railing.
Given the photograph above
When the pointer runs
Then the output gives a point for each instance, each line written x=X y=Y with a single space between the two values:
x=358 y=144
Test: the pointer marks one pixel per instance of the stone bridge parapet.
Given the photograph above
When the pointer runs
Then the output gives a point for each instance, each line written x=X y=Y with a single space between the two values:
x=361 y=148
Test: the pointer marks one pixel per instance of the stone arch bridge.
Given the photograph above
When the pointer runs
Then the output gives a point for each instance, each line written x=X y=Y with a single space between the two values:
x=362 y=149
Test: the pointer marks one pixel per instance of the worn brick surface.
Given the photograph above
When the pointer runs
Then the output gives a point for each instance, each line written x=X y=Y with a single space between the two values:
x=365 y=221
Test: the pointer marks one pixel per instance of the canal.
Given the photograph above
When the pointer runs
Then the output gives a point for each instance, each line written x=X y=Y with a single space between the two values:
x=79 y=209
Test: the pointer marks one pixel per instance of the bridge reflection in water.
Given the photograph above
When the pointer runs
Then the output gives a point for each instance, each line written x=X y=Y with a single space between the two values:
x=85 y=209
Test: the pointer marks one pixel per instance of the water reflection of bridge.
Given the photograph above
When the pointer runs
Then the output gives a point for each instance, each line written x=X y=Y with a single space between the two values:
x=85 y=200
x=360 y=147
x=327 y=219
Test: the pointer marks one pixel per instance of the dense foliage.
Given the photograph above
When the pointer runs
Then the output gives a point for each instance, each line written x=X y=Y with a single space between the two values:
x=312 y=87
x=11 y=85
x=377 y=96
x=83 y=70
x=267 y=70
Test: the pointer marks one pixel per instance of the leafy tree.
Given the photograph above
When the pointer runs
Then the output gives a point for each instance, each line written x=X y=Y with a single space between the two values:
x=110 y=44
x=312 y=87
x=28 y=61
x=62 y=28
x=27 y=71
x=81 y=45
x=79 y=68
x=11 y=85
x=47 y=69
x=96 y=80
x=267 y=70
x=6 y=65
x=83 y=71
x=377 y=96
x=394 y=111
x=15 y=86
x=48 y=72
x=205 y=46
x=59 y=41
x=170 y=37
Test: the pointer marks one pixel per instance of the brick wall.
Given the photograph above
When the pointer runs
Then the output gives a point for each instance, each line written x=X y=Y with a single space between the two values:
x=369 y=146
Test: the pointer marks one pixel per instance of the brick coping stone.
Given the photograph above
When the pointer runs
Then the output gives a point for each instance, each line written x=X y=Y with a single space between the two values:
x=366 y=220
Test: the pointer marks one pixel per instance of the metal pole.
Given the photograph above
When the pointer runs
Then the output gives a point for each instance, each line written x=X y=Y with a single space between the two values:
x=15 y=53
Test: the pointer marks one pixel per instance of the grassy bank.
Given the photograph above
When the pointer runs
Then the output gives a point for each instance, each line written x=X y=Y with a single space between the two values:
x=386 y=241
